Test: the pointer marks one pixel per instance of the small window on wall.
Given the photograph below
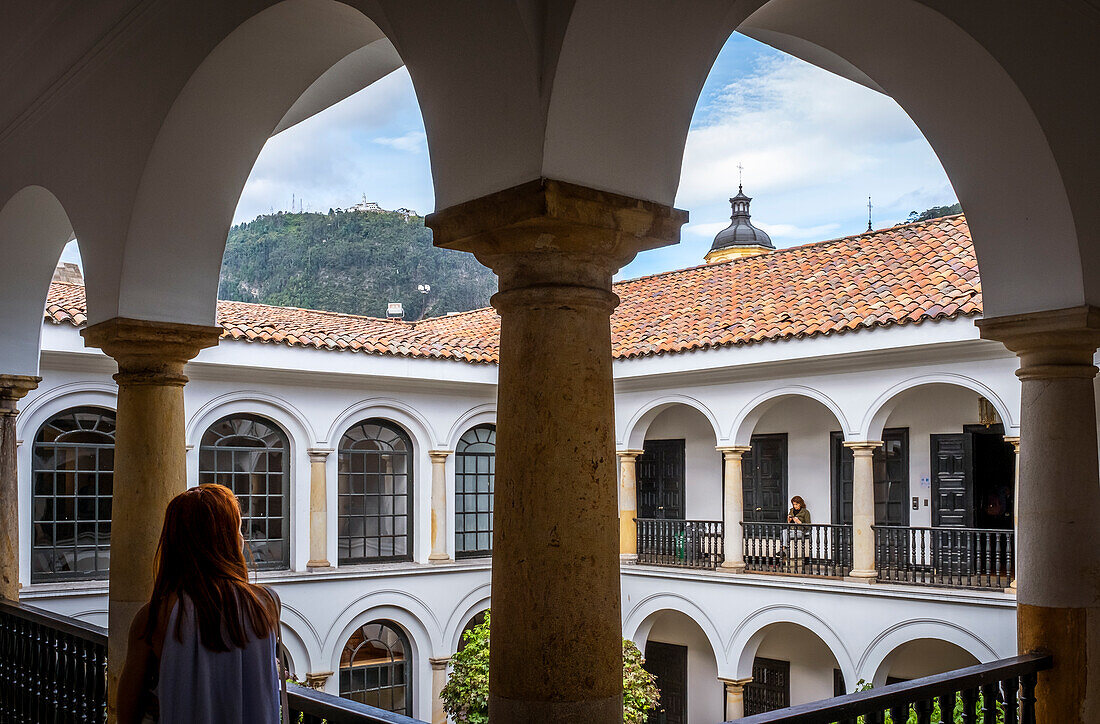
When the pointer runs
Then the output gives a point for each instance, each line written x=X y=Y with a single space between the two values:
x=475 y=472
x=250 y=455
x=375 y=668
x=375 y=493
x=73 y=473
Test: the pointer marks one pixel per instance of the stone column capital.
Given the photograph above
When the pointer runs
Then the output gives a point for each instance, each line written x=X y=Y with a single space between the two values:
x=14 y=388
x=1050 y=344
x=319 y=454
x=733 y=452
x=863 y=447
x=317 y=679
x=735 y=683
x=1014 y=441
x=547 y=231
x=150 y=353
x=630 y=453
x=439 y=663
x=440 y=456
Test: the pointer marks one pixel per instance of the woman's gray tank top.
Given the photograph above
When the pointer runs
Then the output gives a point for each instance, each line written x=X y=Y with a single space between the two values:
x=199 y=686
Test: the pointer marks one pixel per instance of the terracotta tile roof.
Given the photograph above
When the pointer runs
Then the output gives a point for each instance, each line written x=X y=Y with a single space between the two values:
x=902 y=275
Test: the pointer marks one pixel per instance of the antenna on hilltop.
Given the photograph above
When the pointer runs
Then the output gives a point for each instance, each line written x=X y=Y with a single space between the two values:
x=869 y=214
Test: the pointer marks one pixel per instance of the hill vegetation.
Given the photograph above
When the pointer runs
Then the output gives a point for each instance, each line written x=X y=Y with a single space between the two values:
x=354 y=262
x=933 y=213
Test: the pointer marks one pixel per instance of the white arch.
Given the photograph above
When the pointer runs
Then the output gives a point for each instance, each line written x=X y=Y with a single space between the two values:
x=34 y=229
x=480 y=415
x=638 y=622
x=472 y=604
x=296 y=651
x=921 y=628
x=748 y=636
x=874 y=420
x=745 y=422
x=633 y=435
x=278 y=409
x=410 y=418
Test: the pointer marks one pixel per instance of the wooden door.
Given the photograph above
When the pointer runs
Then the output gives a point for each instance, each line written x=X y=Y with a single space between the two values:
x=770 y=688
x=668 y=662
x=660 y=480
x=952 y=483
x=764 y=479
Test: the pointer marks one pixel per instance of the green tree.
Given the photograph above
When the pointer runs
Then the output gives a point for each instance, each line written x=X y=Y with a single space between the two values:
x=934 y=213
x=956 y=713
x=466 y=694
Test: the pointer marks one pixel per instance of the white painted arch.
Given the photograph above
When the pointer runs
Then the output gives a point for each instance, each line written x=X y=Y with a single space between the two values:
x=877 y=414
x=751 y=632
x=633 y=434
x=638 y=622
x=745 y=422
x=479 y=415
x=871 y=662
x=472 y=604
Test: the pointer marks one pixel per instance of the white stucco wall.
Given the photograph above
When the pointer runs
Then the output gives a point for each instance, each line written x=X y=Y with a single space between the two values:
x=811 y=661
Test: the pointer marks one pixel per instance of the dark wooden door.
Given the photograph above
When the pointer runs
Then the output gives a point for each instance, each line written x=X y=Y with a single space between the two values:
x=764 y=479
x=668 y=662
x=770 y=688
x=952 y=481
x=660 y=476
x=891 y=481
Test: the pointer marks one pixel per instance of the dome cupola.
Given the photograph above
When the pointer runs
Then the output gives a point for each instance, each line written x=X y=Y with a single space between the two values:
x=740 y=238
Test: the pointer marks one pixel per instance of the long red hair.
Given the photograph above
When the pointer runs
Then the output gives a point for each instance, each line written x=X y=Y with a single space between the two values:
x=200 y=556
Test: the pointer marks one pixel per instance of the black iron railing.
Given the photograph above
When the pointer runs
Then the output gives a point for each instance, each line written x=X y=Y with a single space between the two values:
x=54 y=668
x=1007 y=685
x=686 y=543
x=804 y=550
x=314 y=707
x=965 y=557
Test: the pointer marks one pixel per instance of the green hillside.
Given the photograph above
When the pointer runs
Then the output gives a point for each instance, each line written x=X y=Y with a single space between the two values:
x=349 y=261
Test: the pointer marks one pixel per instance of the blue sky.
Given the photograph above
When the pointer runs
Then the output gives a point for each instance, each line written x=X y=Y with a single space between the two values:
x=814 y=146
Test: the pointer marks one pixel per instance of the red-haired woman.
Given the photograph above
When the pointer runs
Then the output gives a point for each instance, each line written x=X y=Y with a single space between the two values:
x=203 y=648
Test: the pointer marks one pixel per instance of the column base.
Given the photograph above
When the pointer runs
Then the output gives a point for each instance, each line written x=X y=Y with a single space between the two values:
x=861 y=576
x=440 y=558
x=732 y=567
x=318 y=564
x=628 y=558
x=521 y=711
x=1011 y=588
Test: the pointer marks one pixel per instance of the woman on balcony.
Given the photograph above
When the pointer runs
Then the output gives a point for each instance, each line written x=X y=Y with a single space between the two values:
x=203 y=648
x=796 y=516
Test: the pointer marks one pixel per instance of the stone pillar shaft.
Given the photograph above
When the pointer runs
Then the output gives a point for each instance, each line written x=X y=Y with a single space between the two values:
x=735 y=698
x=439 y=680
x=1058 y=577
x=1015 y=442
x=440 y=518
x=557 y=631
x=318 y=508
x=733 y=508
x=628 y=502
x=863 y=509
x=150 y=467
x=12 y=389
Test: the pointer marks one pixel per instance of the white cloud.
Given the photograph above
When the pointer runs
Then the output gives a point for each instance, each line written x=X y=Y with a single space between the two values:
x=411 y=142
x=791 y=231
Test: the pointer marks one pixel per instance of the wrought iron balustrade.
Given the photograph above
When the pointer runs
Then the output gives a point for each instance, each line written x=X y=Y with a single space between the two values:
x=1007 y=685
x=308 y=706
x=803 y=550
x=54 y=668
x=964 y=557
x=686 y=543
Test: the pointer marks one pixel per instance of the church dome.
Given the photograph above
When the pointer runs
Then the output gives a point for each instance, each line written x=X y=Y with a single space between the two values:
x=741 y=232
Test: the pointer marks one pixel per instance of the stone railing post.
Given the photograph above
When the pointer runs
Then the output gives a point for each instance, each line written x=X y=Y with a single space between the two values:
x=628 y=503
x=863 y=509
x=733 y=508
x=318 y=508
x=12 y=389
x=440 y=519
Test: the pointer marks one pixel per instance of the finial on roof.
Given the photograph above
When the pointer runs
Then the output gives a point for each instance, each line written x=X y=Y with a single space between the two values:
x=740 y=238
x=869 y=214
x=740 y=173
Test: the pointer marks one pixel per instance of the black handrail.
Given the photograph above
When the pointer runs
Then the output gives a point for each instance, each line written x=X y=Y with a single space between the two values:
x=1011 y=681
x=798 y=549
x=54 y=668
x=683 y=543
x=308 y=706
x=962 y=557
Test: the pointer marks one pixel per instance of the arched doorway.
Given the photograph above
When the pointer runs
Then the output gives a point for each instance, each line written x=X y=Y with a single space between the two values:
x=678 y=652
x=922 y=657
x=792 y=665
x=376 y=667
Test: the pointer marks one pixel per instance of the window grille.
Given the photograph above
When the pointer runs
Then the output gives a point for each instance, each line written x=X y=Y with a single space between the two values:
x=375 y=500
x=375 y=668
x=475 y=472
x=250 y=455
x=73 y=473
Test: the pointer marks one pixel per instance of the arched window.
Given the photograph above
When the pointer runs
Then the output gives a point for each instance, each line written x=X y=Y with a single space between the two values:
x=375 y=486
x=475 y=469
x=375 y=668
x=250 y=455
x=74 y=465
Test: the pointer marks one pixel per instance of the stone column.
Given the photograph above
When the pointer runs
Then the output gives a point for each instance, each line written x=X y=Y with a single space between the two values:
x=863 y=509
x=317 y=680
x=439 y=680
x=1057 y=564
x=318 y=508
x=150 y=467
x=1015 y=443
x=12 y=389
x=735 y=697
x=628 y=503
x=439 y=505
x=733 y=508
x=557 y=631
